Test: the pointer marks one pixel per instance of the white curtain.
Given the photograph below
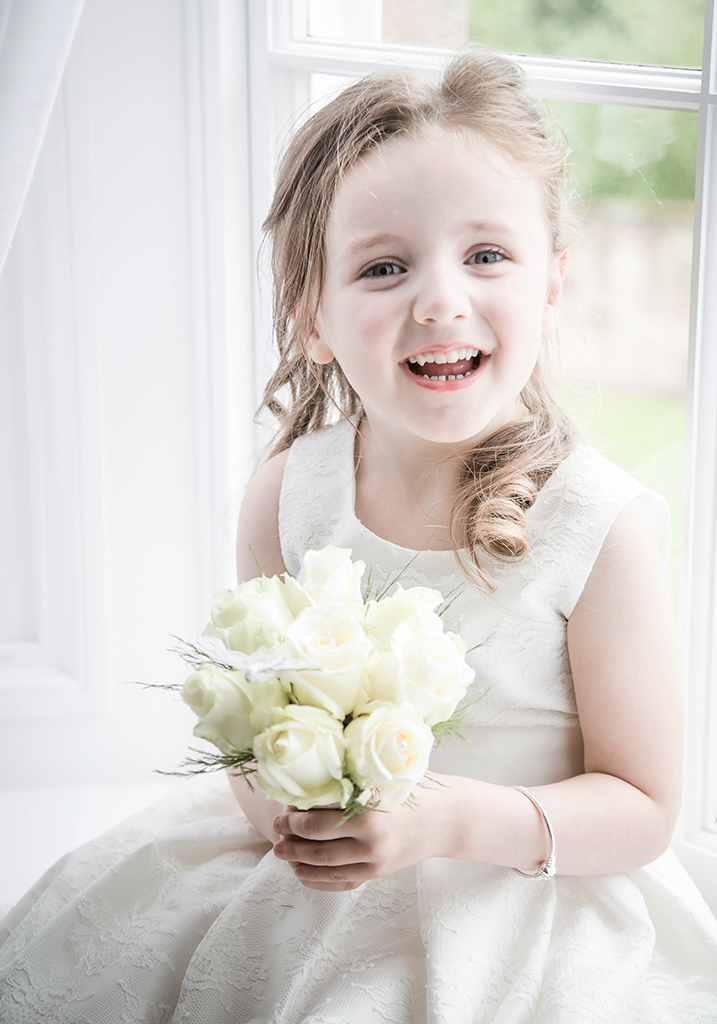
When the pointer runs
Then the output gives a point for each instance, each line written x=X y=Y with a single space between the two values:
x=35 y=40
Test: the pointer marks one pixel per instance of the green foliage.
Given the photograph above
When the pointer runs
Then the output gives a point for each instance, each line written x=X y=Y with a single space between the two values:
x=647 y=156
x=241 y=763
x=354 y=806
x=662 y=32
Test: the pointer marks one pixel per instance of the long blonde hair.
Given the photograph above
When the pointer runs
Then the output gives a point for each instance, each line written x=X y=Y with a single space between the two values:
x=480 y=92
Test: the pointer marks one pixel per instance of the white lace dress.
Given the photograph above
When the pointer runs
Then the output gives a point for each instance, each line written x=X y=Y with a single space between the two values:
x=183 y=913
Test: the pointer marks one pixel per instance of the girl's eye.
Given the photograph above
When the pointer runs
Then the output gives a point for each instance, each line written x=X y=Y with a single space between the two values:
x=383 y=270
x=485 y=257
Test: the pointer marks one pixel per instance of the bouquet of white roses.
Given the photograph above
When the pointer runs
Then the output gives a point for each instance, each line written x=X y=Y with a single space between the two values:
x=320 y=694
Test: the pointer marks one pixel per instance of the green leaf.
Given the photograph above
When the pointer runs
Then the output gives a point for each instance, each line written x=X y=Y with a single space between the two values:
x=211 y=762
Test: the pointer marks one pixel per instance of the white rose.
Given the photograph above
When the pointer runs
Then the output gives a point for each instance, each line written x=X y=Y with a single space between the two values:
x=430 y=672
x=405 y=613
x=300 y=758
x=387 y=750
x=329 y=577
x=296 y=597
x=332 y=638
x=230 y=711
x=252 y=616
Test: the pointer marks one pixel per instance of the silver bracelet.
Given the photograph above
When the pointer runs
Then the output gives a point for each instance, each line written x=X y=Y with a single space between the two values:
x=547 y=868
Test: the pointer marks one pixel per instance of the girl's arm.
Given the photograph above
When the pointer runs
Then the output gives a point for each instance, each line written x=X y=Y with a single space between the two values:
x=619 y=815
x=258 y=550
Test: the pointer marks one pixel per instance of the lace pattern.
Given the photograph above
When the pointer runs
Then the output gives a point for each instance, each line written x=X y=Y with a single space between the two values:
x=522 y=671
x=183 y=915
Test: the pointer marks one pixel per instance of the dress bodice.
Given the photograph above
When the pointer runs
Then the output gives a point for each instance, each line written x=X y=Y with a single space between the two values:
x=523 y=676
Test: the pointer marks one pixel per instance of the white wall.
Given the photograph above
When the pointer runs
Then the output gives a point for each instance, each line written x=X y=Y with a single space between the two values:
x=121 y=359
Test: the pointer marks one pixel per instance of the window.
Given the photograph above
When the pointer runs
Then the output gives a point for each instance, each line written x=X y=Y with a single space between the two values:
x=639 y=315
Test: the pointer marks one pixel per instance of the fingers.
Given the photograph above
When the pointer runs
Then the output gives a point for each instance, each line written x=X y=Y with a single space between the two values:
x=330 y=886
x=328 y=854
x=321 y=886
x=335 y=879
x=329 y=866
x=318 y=823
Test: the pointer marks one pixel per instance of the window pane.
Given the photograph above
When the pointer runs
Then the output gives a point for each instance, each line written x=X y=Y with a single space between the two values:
x=329 y=19
x=638 y=32
x=624 y=328
x=661 y=32
x=442 y=23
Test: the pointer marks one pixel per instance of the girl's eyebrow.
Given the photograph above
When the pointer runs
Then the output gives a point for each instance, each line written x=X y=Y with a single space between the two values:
x=360 y=245
x=489 y=227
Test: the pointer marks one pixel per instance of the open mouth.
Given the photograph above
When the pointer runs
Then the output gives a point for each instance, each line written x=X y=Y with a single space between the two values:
x=453 y=365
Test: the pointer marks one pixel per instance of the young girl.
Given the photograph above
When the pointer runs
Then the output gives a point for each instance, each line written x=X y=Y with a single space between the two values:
x=419 y=238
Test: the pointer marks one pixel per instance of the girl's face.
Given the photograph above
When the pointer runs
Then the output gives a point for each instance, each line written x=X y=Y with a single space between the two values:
x=440 y=283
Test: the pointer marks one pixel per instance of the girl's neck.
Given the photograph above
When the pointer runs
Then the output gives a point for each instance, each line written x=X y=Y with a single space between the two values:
x=405 y=491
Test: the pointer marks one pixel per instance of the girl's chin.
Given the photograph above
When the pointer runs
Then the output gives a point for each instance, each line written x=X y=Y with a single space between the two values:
x=449 y=436
x=447 y=428
x=468 y=433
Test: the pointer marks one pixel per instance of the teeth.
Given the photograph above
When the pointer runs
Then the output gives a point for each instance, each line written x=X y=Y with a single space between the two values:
x=445 y=357
x=450 y=376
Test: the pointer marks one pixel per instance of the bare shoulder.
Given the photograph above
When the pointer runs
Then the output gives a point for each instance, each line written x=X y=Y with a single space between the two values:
x=258 y=548
x=623 y=655
x=641 y=527
x=628 y=581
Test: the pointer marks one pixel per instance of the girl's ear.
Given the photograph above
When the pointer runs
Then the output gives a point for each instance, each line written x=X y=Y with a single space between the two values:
x=317 y=349
x=555 y=290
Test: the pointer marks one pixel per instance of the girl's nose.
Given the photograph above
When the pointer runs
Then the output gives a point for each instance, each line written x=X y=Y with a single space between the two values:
x=441 y=296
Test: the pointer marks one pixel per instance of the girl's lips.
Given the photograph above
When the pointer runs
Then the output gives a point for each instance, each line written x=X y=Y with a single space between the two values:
x=454 y=354
x=434 y=383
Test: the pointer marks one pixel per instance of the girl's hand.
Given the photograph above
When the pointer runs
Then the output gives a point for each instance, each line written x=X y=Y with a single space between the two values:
x=326 y=855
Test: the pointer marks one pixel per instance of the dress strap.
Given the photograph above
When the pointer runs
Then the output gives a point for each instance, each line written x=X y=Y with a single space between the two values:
x=577 y=507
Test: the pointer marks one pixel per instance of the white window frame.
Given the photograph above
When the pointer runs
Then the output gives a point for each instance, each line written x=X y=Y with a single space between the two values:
x=280 y=62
